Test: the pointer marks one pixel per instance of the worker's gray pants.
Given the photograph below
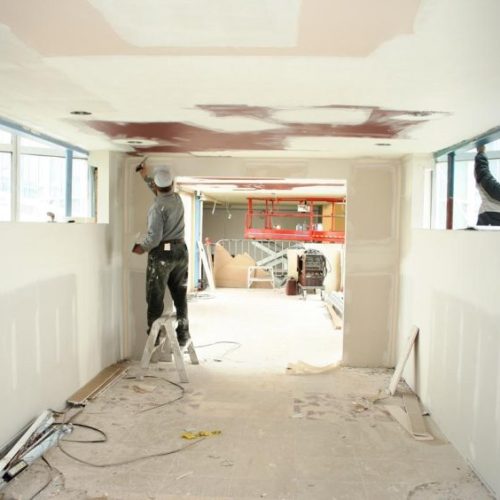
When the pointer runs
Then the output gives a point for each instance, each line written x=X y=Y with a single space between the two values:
x=168 y=268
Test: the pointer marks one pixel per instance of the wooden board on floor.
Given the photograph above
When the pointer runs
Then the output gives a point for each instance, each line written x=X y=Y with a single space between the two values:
x=97 y=384
x=336 y=319
x=402 y=362
x=414 y=412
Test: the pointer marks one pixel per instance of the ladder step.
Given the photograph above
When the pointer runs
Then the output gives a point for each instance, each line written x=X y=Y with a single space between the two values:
x=168 y=346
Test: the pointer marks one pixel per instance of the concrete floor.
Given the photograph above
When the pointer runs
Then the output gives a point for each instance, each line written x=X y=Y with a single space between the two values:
x=282 y=436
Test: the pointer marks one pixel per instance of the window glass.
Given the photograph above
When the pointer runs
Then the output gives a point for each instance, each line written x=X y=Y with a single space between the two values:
x=42 y=183
x=466 y=201
x=465 y=198
x=28 y=142
x=5 y=137
x=5 y=182
x=493 y=146
x=82 y=190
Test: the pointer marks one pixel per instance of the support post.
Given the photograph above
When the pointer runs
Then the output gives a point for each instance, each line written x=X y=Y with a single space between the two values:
x=450 y=190
x=69 y=182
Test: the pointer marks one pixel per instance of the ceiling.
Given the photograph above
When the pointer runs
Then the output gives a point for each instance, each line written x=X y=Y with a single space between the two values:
x=299 y=78
x=237 y=190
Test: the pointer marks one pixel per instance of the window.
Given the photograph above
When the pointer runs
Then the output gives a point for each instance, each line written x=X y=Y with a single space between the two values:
x=5 y=137
x=5 y=174
x=5 y=183
x=50 y=179
x=466 y=198
x=42 y=184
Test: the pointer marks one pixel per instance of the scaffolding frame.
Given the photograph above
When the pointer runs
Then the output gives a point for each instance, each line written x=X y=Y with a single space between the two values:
x=308 y=228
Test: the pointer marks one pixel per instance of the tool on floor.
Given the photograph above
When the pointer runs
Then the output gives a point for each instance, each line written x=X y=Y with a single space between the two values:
x=168 y=346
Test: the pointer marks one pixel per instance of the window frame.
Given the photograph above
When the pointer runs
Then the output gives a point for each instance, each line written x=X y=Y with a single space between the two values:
x=455 y=157
x=59 y=149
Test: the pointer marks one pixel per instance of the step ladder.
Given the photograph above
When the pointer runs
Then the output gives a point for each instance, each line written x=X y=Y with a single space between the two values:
x=168 y=346
x=252 y=275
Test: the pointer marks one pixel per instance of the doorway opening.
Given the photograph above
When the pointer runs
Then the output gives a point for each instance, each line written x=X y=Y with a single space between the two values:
x=272 y=245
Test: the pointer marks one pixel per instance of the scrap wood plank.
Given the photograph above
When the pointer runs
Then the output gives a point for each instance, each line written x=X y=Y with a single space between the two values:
x=414 y=412
x=402 y=362
x=100 y=382
x=403 y=418
x=336 y=320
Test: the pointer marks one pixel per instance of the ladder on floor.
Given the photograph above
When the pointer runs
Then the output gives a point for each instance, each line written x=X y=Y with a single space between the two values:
x=167 y=346
x=252 y=276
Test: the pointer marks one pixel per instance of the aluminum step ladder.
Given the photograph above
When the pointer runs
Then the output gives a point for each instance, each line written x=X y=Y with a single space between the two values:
x=168 y=346
x=252 y=275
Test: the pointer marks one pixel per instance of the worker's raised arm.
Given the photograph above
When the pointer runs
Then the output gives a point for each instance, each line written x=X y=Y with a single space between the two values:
x=485 y=178
x=143 y=170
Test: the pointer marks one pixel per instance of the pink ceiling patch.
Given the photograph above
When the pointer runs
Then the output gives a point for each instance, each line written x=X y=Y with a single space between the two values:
x=178 y=137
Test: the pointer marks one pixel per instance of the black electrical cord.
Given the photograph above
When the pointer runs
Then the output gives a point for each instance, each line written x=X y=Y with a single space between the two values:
x=90 y=427
x=130 y=461
x=104 y=438
x=219 y=342
x=50 y=469
x=161 y=405
x=229 y=351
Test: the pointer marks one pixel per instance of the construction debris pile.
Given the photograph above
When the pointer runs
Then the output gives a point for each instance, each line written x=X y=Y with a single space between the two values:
x=41 y=435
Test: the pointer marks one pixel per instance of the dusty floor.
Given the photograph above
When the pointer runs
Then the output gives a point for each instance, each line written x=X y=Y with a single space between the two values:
x=282 y=436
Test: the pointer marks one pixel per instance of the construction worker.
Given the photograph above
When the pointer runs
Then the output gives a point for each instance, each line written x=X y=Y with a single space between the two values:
x=167 y=251
x=489 y=189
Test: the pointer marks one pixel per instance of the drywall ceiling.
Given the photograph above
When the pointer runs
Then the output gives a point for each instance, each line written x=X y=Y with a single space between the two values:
x=238 y=189
x=301 y=78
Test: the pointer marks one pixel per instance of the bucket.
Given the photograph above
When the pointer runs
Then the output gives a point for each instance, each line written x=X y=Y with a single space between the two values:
x=291 y=286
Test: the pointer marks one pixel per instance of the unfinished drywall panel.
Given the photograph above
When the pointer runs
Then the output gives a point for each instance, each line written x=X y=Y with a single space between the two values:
x=371 y=263
x=369 y=251
x=373 y=217
x=60 y=309
x=368 y=293
x=449 y=289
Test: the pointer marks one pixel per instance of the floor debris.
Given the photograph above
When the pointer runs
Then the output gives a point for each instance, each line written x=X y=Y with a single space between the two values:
x=182 y=476
x=143 y=388
x=340 y=453
x=302 y=368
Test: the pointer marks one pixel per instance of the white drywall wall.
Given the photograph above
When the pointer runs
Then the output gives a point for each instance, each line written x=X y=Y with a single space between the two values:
x=60 y=308
x=372 y=248
x=449 y=289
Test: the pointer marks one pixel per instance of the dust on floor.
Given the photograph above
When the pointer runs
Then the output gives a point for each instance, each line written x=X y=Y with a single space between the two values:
x=283 y=436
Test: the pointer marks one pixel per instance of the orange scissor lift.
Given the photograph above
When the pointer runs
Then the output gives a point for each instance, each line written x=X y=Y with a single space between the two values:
x=316 y=219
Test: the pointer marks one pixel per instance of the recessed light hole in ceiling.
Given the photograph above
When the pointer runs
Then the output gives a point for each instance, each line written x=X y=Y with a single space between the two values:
x=136 y=142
